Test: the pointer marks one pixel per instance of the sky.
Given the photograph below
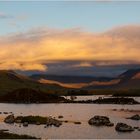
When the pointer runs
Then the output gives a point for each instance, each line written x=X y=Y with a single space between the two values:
x=72 y=38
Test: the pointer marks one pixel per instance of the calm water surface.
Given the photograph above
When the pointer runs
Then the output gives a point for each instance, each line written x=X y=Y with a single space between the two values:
x=72 y=112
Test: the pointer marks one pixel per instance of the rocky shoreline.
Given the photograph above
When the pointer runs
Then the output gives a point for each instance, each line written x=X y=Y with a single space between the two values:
x=28 y=96
x=112 y=100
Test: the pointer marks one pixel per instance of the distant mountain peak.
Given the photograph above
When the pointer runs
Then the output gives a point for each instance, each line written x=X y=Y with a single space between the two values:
x=129 y=73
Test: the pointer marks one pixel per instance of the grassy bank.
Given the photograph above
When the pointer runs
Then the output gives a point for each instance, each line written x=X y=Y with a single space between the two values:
x=7 y=135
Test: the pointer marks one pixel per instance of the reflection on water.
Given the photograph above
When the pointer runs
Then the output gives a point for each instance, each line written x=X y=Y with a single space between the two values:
x=72 y=112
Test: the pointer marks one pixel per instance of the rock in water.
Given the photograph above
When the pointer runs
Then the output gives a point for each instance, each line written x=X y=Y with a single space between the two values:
x=136 y=127
x=77 y=122
x=110 y=124
x=17 y=121
x=25 y=124
x=122 y=127
x=100 y=121
x=60 y=116
x=50 y=121
x=135 y=117
x=9 y=119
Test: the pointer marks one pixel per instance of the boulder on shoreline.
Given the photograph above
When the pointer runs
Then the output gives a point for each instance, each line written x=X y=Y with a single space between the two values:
x=122 y=127
x=100 y=121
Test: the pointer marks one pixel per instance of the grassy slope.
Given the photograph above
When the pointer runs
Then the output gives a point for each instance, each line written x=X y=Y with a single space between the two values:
x=10 y=81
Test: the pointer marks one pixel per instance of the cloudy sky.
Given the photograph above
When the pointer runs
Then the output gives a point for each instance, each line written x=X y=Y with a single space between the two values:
x=71 y=38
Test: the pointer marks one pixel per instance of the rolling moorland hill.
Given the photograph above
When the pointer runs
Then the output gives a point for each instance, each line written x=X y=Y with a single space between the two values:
x=10 y=80
x=127 y=80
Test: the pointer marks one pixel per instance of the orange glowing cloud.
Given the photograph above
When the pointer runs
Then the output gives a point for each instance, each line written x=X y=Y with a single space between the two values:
x=33 y=49
x=83 y=64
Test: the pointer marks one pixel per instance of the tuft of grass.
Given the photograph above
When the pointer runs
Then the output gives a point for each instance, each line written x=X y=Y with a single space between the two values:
x=32 y=119
x=7 y=135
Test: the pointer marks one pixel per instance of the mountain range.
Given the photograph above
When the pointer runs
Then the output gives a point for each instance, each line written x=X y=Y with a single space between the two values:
x=10 y=80
x=127 y=80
